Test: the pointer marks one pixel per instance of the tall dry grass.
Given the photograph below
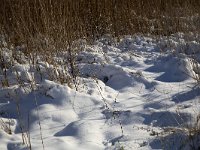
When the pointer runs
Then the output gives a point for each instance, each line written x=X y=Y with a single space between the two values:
x=59 y=22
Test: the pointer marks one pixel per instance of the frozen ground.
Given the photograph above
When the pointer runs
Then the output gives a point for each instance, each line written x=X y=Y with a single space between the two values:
x=137 y=94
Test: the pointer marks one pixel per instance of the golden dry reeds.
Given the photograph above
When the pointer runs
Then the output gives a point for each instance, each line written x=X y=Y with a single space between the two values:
x=53 y=24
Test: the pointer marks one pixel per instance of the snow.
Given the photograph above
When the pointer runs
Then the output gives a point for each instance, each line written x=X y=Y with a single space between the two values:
x=129 y=94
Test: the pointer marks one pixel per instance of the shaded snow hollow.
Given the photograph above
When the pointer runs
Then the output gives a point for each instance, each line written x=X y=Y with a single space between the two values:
x=128 y=93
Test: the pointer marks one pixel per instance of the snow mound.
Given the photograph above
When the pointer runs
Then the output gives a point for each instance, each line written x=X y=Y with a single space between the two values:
x=127 y=95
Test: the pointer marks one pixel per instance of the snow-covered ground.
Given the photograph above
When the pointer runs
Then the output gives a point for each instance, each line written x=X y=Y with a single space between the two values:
x=135 y=94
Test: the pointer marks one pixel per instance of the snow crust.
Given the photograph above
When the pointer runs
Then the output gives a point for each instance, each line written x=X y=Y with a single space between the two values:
x=128 y=94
